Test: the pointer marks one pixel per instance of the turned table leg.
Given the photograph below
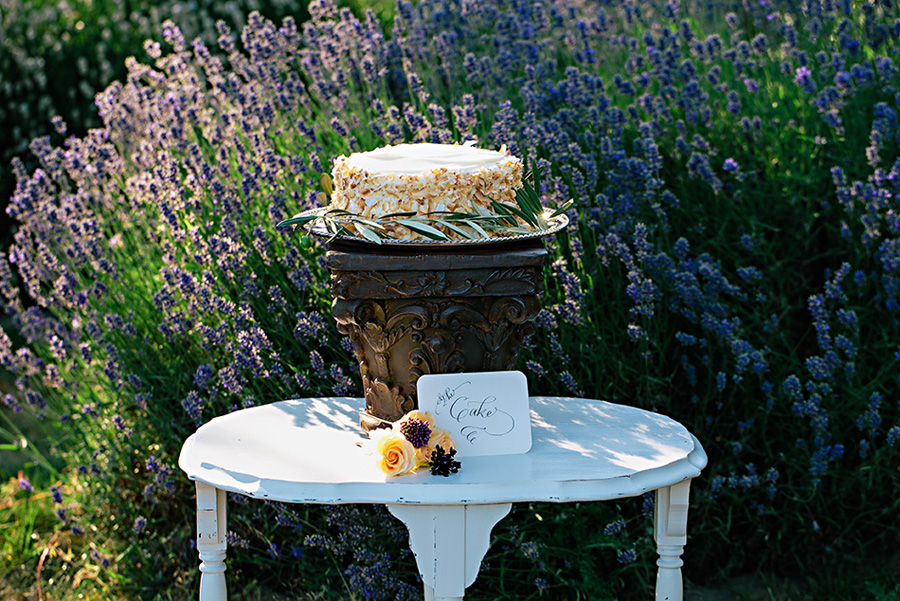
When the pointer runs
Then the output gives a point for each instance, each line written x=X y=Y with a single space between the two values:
x=211 y=544
x=449 y=542
x=670 y=532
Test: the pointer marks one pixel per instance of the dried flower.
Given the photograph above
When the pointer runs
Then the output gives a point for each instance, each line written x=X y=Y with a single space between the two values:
x=442 y=462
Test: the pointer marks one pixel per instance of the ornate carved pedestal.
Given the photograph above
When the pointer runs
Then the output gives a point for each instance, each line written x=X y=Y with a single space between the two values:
x=442 y=309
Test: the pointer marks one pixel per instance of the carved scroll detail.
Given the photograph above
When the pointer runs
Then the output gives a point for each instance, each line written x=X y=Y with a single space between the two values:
x=400 y=284
x=405 y=323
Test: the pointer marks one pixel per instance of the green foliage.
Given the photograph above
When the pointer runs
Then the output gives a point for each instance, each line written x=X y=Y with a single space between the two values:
x=880 y=592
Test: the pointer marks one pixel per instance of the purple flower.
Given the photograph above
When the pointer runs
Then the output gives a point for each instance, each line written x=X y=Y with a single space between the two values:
x=416 y=431
x=535 y=368
x=273 y=551
x=235 y=540
x=864 y=447
x=570 y=383
x=152 y=465
x=202 y=376
x=893 y=435
x=803 y=76
x=636 y=332
x=140 y=524
x=193 y=405
x=546 y=320
x=627 y=556
x=614 y=527
x=317 y=363
x=25 y=485
x=302 y=381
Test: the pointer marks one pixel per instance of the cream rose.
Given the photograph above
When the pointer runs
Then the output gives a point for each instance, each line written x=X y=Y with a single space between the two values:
x=423 y=454
x=440 y=438
x=397 y=455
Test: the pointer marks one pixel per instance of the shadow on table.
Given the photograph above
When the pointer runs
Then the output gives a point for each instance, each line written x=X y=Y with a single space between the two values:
x=339 y=413
x=621 y=435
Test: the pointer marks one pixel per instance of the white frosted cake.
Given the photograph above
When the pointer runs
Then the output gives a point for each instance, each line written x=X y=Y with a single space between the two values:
x=423 y=178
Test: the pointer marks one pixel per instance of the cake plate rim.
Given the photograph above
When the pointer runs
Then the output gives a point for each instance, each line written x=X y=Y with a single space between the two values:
x=317 y=229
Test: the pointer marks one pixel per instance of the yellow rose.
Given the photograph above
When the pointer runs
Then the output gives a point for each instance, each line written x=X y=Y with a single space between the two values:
x=398 y=456
x=415 y=414
x=440 y=438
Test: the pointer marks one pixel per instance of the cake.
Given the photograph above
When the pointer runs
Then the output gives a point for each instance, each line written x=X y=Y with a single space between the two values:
x=424 y=178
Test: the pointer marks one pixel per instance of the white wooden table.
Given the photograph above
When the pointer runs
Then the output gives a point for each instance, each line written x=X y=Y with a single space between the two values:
x=306 y=451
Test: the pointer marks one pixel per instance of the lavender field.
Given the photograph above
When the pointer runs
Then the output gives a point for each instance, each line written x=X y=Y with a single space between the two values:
x=732 y=261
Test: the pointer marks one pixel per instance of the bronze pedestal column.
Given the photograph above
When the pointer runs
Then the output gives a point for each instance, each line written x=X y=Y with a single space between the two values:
x=443 y=308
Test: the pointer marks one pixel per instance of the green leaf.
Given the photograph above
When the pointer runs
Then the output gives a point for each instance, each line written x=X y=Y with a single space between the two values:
x=449 y=225
x=400 y=214
x=515 y=210
x=562 y=209
x=479 y=210
x=367 y=233
x=536 y=178
x=368 y=222
x=474 y=225
x=506 y=216
x=425 y=230
x=458 y=216
x=298 y=220
x=325 y=182
x=528 y=197
x=526 y=205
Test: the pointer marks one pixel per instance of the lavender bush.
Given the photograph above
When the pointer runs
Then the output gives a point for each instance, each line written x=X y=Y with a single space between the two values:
x=732 y=262
x=55 y=57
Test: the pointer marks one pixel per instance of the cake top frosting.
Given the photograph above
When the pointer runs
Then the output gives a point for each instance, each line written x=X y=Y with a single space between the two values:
x=415 y=159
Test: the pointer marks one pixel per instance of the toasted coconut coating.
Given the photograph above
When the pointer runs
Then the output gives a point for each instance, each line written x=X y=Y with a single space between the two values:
x=424 y=178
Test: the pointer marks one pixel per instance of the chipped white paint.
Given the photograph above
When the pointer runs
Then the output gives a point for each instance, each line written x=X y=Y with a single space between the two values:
x=307 y=451
x=449 y=542
x=670 y=532
x=211 y=545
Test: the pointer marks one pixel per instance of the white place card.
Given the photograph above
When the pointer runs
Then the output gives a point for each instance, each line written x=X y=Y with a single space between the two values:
x=487 y=413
